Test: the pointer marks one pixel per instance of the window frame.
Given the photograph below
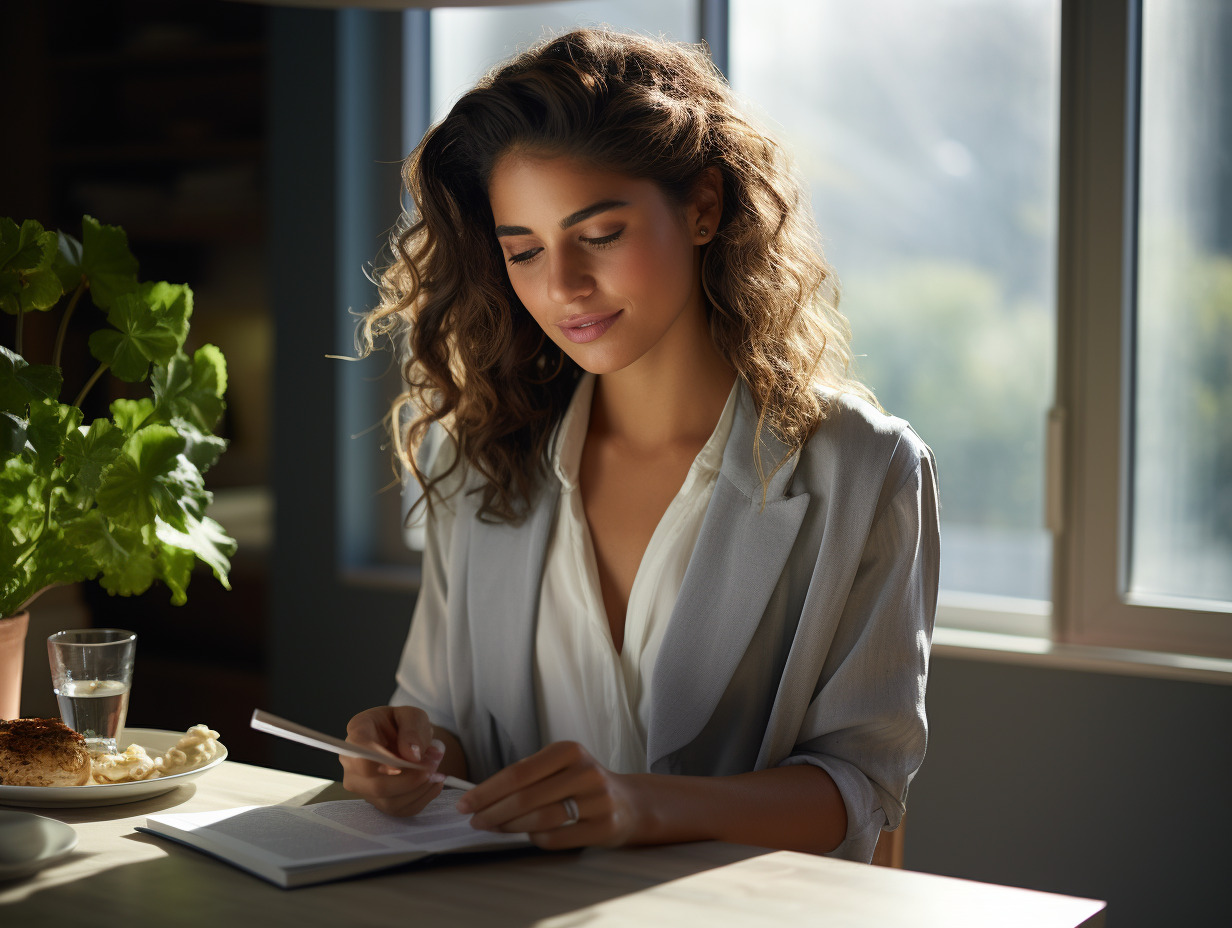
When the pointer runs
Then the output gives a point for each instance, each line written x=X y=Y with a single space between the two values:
x=1090 y=499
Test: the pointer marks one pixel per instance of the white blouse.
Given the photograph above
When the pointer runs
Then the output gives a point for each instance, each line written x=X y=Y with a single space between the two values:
x=586 y=691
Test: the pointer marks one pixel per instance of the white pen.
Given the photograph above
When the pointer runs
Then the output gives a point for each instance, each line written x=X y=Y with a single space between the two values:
x=273 y=725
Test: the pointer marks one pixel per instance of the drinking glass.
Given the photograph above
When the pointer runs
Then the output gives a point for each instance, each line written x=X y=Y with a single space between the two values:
x=92 y=673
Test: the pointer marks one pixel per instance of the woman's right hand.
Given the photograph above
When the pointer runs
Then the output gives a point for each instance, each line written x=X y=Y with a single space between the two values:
x=405 y=732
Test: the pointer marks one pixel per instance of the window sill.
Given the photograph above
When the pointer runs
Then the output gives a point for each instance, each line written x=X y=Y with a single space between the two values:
x=966 y=644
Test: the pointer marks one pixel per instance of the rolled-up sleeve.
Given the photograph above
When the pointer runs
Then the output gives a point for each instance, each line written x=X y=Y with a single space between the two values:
x=866 y=724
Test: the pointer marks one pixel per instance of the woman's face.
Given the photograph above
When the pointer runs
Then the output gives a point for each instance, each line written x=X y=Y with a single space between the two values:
x=605 y=263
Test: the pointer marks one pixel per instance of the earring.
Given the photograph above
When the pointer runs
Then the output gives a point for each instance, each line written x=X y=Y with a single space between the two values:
x=703 y=231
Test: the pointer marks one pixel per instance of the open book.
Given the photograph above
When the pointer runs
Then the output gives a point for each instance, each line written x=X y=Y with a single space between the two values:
x=299 y=845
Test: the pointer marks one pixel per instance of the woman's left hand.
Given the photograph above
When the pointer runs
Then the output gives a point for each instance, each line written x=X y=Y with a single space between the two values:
x=530 y=796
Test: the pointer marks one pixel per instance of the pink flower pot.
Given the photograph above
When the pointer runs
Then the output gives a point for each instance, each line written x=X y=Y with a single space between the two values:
x=12 y=650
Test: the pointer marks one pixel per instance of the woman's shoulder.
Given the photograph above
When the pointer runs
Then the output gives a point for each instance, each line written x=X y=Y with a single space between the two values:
x=859 y=440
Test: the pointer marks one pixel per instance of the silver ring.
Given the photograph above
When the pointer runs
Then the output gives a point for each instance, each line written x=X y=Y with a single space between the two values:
x=571 y=812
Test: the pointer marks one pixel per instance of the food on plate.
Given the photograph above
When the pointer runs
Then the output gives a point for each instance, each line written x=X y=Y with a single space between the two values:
x=42 y=752
x=46 y=752
x=196 y=748
x=133 y=764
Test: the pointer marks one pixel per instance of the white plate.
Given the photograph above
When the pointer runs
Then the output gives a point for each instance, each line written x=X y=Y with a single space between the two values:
x=29 y=842
x=154 y=740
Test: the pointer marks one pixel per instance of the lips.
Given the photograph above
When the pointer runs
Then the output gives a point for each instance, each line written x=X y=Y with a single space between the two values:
x=588 y=327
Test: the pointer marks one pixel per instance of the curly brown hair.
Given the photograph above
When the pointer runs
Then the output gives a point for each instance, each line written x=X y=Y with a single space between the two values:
x=478 y=363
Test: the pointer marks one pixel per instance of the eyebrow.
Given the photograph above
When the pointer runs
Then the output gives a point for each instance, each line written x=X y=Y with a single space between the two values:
x=571 y=220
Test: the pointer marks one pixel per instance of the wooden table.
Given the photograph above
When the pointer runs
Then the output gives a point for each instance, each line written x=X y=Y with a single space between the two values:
x=118 y=876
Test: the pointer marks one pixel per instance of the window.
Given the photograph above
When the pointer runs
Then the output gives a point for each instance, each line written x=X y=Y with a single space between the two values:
x=1027 y=202
x=936 y=201
x=1145 y=348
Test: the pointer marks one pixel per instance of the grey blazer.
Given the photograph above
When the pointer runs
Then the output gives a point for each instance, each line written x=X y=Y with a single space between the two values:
x=801 y=632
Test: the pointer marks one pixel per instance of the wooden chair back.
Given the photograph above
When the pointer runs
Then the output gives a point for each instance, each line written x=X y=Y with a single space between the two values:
x=889 y=850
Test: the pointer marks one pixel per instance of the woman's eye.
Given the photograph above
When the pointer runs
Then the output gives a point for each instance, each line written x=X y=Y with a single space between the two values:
x=523 y=256
x=604 y=239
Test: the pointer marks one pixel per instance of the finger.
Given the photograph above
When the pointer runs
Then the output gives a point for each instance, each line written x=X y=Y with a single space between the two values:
x=385 y=786
x=358 y=766
x=407 y=803
x=525 y=806
x=414 y=734
x=583 y=834
x=551 y=816
x=521 y=775
x=402 y=732
x=393 y=792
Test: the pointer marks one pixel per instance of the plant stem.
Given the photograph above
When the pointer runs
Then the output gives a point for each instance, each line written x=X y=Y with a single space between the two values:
x=26 y=554
x=90 y=383
x=68 y=314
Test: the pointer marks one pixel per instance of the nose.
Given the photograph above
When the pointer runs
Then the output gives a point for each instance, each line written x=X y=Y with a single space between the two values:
x=569 y=279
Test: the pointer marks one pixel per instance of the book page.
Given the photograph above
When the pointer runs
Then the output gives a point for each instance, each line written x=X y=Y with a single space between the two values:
x=348 y=829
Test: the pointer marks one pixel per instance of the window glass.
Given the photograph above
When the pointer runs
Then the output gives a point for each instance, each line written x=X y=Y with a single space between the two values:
x=467 y=42
x=1181 y=536
x=928 y=134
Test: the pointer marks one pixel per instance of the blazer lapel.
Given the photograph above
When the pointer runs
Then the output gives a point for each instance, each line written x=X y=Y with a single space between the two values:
x=503 y=603
x=735 y=567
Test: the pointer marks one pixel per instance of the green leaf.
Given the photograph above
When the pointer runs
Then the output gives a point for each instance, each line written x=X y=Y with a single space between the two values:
x=175 y=567
x=131 y=415
x=192 y=389
x=10 y=292
x=26 y=255
x=140 y=335
x=21 y=500
x=49 y=427
x=127 y=562
x=106 y=261
x=172 y=304
x=42 y=290
x=206 y=539
x=24 y=248
x=153 y=478
x=201 y=448
x=55 y=562
x=21 y=382
x=88 y=451
x=12 y=435
x=10 y=240
x=67 y=263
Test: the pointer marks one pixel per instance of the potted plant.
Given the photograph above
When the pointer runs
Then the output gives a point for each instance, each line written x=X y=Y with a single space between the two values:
x=119 y=497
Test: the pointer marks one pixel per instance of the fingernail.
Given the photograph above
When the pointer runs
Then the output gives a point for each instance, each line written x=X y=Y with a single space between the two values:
x=437 y=778
x=436 y=749
x=416 y=754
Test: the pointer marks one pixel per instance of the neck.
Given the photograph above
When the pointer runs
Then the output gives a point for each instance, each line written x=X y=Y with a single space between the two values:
x=674 y=396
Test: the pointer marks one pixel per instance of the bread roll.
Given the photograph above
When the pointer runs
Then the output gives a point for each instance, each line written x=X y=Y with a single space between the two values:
x=42 y=752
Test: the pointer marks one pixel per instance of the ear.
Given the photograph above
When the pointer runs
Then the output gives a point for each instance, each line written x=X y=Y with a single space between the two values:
x=706 y=206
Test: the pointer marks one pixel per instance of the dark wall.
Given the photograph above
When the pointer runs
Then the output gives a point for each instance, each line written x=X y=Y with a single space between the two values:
x=334 y=643
x=1088 y=784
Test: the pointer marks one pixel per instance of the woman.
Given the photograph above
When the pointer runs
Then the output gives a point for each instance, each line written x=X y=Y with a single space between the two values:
x=681 y=571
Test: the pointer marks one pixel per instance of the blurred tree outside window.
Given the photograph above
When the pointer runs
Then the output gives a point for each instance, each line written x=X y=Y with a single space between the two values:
x=1181 y=534
x=928 y=135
